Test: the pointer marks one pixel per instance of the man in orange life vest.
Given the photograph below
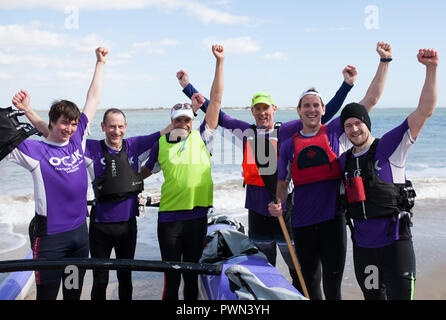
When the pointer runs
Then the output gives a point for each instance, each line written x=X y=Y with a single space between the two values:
x=310 y=160
x=265 y=230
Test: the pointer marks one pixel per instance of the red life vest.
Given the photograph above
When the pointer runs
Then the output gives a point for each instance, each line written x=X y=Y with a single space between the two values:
x=251 y=173
x=314 y=160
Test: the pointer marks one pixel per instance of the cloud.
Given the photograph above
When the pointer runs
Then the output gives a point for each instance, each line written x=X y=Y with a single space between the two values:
x=73 y=75
x=20 y=37
x=205 y=13
x=241 y=45
x=28 y=36
x=278 y=55
x=38 y=61
x=153 y=47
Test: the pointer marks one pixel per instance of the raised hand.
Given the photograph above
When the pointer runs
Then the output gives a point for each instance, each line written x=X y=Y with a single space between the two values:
x=350 y=74
x=197 y=101
x=101 y=53
x=384 y=49
x=218 y=51
x=21 y=100
x=183 y=78
x=428 y=57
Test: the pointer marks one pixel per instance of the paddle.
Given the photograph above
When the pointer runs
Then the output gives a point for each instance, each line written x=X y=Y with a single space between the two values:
x=110 y=264
x=293 y=254
x=270 y=182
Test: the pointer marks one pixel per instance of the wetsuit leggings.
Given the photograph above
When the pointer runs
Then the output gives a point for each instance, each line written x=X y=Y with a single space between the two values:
x=69 y=244
x=321 y=250
x=181 y=241
x=266 y=233
x=387 y=272
x=120 y=236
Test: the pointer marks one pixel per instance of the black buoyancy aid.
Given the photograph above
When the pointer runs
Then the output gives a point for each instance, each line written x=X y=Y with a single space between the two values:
x=367 y=196
x=314 y=160
x=267 y=149
x=119 y=181
x=12 y=132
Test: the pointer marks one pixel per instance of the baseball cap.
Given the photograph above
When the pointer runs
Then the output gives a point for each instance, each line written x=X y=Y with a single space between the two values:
x=262 y=97
x=182 y=109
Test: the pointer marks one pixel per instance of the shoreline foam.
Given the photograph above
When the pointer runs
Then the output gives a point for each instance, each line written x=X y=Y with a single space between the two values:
x=431 y=264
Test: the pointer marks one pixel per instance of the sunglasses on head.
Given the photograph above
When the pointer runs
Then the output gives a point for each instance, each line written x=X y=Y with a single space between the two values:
x=179 y=106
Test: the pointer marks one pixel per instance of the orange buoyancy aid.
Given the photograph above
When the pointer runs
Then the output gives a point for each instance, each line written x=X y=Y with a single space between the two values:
x=251 y=171
x=314 y=160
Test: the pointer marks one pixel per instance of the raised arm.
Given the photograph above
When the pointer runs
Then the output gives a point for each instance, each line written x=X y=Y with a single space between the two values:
x=22 y=102
x=189 y=91
x=95 y=91
x=333 y=106
x=428 y=98
x=376 y=87
x=213 y=110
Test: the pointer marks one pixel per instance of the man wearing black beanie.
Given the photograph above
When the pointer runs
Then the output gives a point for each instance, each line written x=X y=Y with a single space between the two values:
x=310 y=160
x=356 y=110
x=379 y=199
x=358 y=113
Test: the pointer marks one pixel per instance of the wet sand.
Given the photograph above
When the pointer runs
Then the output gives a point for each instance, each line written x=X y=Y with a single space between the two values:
x=429 y=243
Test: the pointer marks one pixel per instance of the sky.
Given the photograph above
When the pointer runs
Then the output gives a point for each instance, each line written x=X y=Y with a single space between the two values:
x=282 y=47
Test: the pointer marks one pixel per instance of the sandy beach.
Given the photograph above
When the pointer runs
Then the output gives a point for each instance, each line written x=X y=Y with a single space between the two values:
x=431 y=262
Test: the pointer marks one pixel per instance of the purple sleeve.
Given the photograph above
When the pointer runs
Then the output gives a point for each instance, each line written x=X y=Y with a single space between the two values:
x=288 y=129
x=224 y=120
x=228 y=122
x=91 y=146
x=336 y=102
x=392 y=139
x=153 y=156
x=336 y=126
x=141 y=144
x=285 y=157
x=81 y=127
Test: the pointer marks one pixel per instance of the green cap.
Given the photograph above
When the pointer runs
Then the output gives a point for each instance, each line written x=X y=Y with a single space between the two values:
x=262 y=97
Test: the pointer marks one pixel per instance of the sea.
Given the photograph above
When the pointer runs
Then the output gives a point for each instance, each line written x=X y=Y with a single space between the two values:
x=426 y=167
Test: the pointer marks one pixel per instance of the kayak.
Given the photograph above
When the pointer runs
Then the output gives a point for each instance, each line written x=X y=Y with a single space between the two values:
x=16 y=286
x=246 y=272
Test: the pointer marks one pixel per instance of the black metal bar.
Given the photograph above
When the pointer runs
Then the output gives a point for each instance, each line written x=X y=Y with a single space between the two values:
x=110 y=264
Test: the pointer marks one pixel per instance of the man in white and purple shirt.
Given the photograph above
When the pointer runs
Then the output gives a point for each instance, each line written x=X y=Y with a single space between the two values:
x=58 y=168
x=310 y=160
x=374 y=175
x=113 y=220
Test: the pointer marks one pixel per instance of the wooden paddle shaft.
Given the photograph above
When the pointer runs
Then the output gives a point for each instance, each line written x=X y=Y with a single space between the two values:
x=293 y=256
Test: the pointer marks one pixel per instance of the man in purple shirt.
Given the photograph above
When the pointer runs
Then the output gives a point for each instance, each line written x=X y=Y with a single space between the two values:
x=57 y=166
x=113 y=217
x=265 y=230
x=309 y=159
x=378 y=198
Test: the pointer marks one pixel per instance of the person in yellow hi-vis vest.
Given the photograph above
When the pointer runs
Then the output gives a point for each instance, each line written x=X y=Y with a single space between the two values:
x=184 y=156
